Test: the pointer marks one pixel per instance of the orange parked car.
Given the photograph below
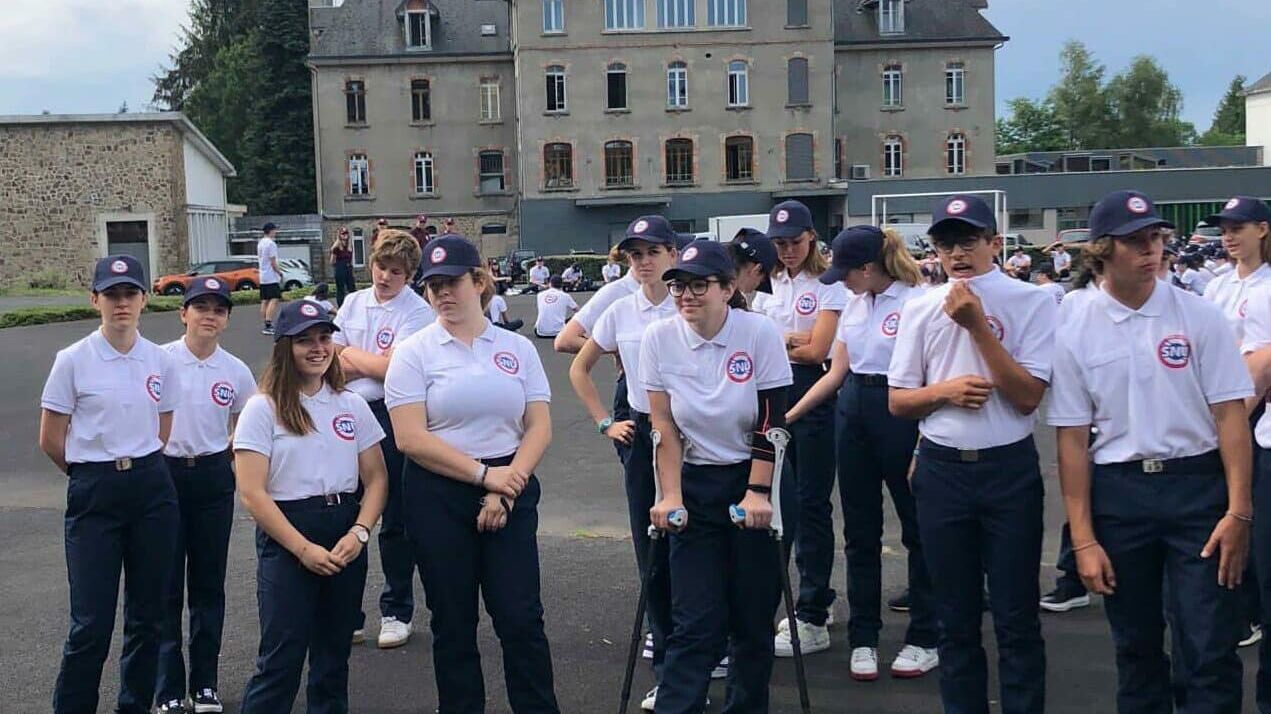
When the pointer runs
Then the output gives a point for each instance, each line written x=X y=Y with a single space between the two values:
x=238 y=273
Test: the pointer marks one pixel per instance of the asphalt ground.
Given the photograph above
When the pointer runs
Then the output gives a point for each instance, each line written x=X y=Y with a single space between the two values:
x=589 y=578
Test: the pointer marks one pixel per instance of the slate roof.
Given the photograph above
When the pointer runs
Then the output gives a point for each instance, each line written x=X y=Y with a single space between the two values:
x=373 y=28
x=1260 y=86
x=925 y=21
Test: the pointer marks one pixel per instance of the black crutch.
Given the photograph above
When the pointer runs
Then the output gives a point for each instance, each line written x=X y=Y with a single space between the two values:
x=656 y=536
x=780 y=438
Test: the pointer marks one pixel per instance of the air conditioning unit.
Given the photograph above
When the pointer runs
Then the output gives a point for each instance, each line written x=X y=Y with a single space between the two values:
x=860 y=172
x=489 y=30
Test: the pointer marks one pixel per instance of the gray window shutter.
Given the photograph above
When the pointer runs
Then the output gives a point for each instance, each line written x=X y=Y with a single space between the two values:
x=797 y=80
x=796 y=12
x=799 y=165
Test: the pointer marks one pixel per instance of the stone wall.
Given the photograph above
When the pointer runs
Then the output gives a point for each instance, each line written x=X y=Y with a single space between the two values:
x=56 y=179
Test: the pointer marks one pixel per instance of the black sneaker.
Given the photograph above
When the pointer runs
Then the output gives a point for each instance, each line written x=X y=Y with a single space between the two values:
x=172 y=706
x=900 y=603
x=1066 y=596
x=268 y=329
x=206 y=702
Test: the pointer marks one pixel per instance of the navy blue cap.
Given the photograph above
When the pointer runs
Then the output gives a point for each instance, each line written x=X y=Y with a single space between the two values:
x=1242 y=209
x=854 y=247
x=1121 y=213
x=268 y=227
x=118 y=270
x=789 y=219
x=208 y=285
x=297 y=316
x=703 y=259
x=450 y=255
x=756 y=247
x=683 y=239
x=650 y=229
x=971 y=210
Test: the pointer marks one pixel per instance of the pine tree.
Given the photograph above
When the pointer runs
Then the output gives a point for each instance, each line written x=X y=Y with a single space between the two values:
x=1228 y=128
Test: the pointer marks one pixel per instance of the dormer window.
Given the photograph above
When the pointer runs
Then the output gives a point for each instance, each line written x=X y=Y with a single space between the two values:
x=891 y=17
x=416 y=16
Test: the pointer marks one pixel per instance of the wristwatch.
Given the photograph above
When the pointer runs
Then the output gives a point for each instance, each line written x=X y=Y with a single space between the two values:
x=479 y=480
x=603 y=425
x=361 y=532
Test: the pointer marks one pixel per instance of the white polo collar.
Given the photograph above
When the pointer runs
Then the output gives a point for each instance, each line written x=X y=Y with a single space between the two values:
x=108 y=353
x=720 y=339
x=187 y=357
x=1154 y=306
x=324 y=395
x=487 y=335
x=643 y=304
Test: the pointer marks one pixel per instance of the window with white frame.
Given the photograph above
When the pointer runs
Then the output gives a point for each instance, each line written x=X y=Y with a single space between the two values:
x=490 y=171
x=624 y=14
x=738 y=84
x=420 y=100
x=424 y=172
x=359 y=175
x=891 y=17
x=553 y=15
x=676 y=13
x=355 y=101
x=619 y=164
x=556 y=98
x=677 y=86
x=357 y=245
x=616 y=86
x=893 y=86
x=490 y=99
x=418 y=30
x=893 y=157
x=956 y=154
x=955 y=83
x=726 y=13
x=558 y=165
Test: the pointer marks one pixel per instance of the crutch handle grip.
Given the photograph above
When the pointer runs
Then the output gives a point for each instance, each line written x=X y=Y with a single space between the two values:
x=737 y=514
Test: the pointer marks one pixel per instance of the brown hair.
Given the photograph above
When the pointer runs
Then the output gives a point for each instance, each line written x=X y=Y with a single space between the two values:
x=396 y=246
x=896 y=259
x=281 y=383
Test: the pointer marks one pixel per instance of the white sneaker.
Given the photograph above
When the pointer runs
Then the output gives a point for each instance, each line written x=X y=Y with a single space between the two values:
x=913 y=661
x=864 y=664
x=359 y=636
x=393 y=633
x=812 y=638
x=721 y=669
x=784 y=625
x=650 y=701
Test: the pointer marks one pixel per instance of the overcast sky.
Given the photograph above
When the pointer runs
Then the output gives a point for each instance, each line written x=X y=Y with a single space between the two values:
x=82 y=56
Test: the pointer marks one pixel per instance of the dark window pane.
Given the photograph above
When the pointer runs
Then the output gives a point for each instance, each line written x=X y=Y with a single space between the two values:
x=738 y=158
x=797 y=78
x=799 y=164
x=796 y=12
x=679 y=161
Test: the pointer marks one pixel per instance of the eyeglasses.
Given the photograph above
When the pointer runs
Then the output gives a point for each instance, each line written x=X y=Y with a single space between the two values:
x=697 y=287
x=966 y=244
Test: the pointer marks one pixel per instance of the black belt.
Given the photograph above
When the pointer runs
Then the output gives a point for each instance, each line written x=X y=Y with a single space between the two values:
x=868 y=380
x=314 y=503
x=127 y=463
x=1207 y=463
x=201 y=460
x=933 y=450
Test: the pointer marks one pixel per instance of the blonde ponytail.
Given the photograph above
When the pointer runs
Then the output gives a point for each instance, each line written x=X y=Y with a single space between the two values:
x=896 y=259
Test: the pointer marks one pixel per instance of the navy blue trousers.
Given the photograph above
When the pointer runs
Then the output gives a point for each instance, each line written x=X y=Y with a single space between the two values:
x=874 y=449
x=638 y=471
x=205 y=495
x=460 y=564
x=1153 y=527
x=116 y=521
x=303 y=614
x=1067 y=562
x=397 y=555
x=1262 y=561
x=977 y=518
x=725 y=586
x=812 y=458
x=621 y=411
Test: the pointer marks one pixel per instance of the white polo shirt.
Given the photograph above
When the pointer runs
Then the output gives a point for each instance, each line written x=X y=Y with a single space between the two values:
x=114 y=399
x=1146 y=378
x=607 y=295
x=1075 y=299
x=621 y=330
x=1257 y=335
x=539 y=274
x=266 y=248
x=1061 y=261
x=714 y=384
x=1231 y=294
x=553 y=311
x=211 y=390
x=498 y=309
x=1020 y=261
x=320 y=463
x=377 y=327
x=931 y=348
x=869 y=326
x=796 y=302
x=1056 y=291
x=611 y=272
x=475 y=396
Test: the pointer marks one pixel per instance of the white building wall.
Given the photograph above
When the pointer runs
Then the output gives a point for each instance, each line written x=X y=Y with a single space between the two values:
x=205 y=206
x=1258 y=124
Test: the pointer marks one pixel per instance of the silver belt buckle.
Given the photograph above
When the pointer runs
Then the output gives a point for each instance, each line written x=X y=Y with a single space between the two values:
x=969 y=456
x=1153 y=466
x=333 y=499
x=124 y=464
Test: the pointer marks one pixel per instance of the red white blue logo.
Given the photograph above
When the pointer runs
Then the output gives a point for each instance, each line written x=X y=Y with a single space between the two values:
x=1175 y=351
x=384 y=338
x=689 y=254
x=956 y=207
x=783 y=215
x=1137 y=204
x=507 y=363
x=154 y=386
x=223 y=394
x=640 y=226
x=344 y=426
x=119 y=267
x=437 y=255
x=739 y=367
x=1232 y=204
x=806 y=304
x=550 y=298
x=309 y=310
x=891 y=324
x=999 y=330
x=212 y=284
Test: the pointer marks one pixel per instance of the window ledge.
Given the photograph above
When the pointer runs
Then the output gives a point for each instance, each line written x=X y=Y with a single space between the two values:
x=553 y=33
x=618 y=111
x=424 y=124
x=489 y=122
x=798 y=105
x=738 y=108
x=895 y=108
x=424 y=196
x=740 y=182
x=352 y=197
x=804 y=26
x=673 y=30
x=680 y=184
x=491 y=194
x=362 y=125
x=557 y=113
x=813 y=179
x=559 y=189
x=677 y=110
x=622 y=187
x=957 y=107
x=419 y=48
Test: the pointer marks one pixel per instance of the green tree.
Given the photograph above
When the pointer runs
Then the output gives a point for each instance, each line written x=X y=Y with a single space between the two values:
x=1081 y=105
x=220 y=103
x=1146 y=107
x=1032 y=126
x=1228 y=128
x=213 y=25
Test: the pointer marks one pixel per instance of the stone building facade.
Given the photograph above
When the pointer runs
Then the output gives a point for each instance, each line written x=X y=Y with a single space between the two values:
x=76 y=188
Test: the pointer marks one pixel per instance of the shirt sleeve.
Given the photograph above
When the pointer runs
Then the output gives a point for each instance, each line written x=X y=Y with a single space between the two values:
x=59 y=388
x=772 y=364
x=244 y=390
x=405 y=382
x=1223 y=374
x=650 y=369
x=1070 y=403
x=170 y=389
x=369 y=431
x=537 y=388
x=834 y=297
x=255 y=429
x=340 y=337
x=1257 y=321
x=605 y=331
x=419 y=318
x=907 y=370
x=1037 y=343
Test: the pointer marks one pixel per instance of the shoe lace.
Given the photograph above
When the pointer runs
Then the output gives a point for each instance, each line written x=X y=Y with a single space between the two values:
x=207 y=693
x=911 y=652
x=863 y=655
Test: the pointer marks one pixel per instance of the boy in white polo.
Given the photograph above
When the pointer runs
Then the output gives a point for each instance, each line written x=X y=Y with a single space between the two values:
x=554 y=308
x=1160 y=522
x=972 y=362
x=270 y=277
x=372 y=322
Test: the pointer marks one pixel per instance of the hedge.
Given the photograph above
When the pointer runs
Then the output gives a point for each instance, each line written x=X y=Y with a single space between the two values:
x=159 y=303
x=589 y=263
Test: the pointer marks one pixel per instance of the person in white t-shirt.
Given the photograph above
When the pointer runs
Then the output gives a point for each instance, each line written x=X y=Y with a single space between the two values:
x=572 y=277
x=321 y=295
x=270 y=276
x=1048 y=280
x=1019 y=265
x=613 y=268
x=555 y=306
x=539 y=275
x=498 y=309
x=1062 y=260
